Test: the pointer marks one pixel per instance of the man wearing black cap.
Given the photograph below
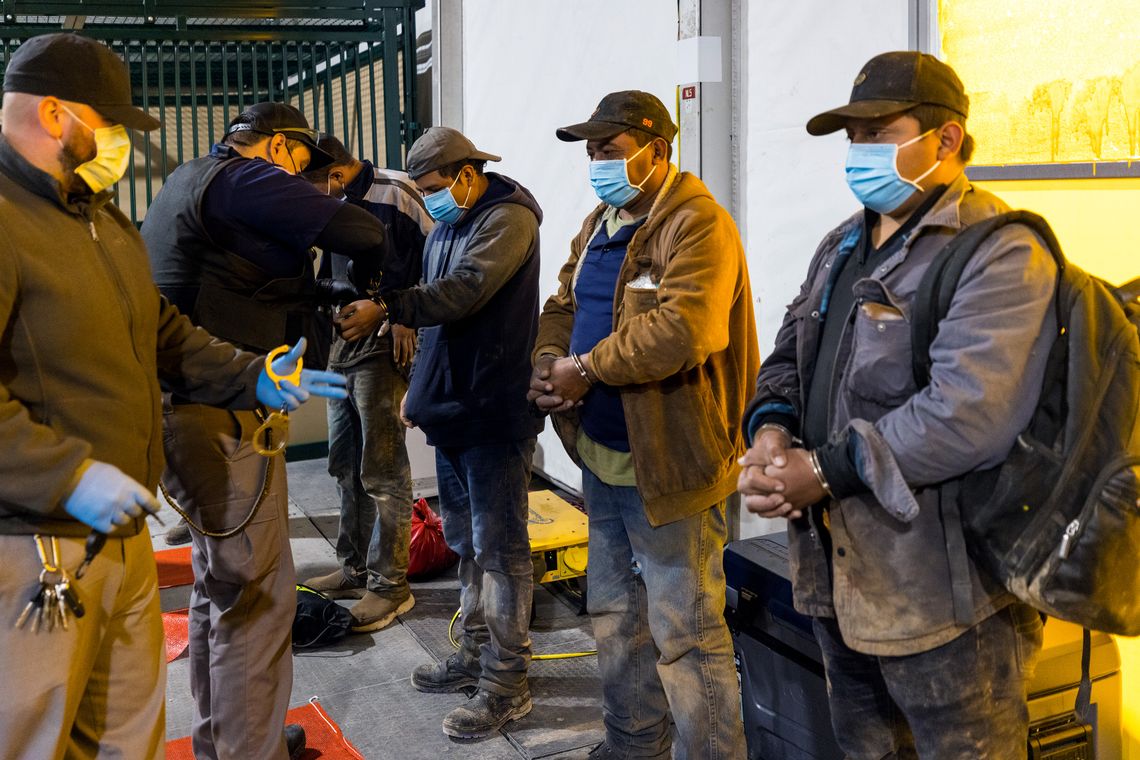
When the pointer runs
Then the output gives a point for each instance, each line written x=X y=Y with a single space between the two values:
x=87 y=340
x=646 y=355
x=229 y=237
x=925 y=653
x=477 y=309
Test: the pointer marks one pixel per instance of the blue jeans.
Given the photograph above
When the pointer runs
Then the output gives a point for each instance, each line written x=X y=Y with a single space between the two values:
x=656 y=598
x=484 y=506
x=369 y=461
x=963 y=700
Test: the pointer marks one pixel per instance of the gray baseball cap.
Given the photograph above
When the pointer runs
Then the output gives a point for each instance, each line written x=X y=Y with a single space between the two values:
x=439 y=147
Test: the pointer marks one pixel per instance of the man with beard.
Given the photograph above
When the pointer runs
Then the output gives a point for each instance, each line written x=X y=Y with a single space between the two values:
x=85 y=339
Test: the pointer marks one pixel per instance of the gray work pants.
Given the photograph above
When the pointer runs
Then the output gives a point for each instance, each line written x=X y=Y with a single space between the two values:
x=244 y=598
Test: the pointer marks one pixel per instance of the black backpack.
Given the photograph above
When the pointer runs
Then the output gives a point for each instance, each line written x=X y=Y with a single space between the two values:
x=1058 y=523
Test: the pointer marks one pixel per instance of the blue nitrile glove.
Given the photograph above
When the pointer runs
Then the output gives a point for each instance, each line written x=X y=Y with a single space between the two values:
x=313 y=381
x=106 y=497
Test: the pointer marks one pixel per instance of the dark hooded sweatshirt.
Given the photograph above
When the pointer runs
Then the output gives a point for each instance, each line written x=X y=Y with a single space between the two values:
x=478 y=307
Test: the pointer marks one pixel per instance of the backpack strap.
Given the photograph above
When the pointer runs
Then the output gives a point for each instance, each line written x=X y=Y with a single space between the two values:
x=938 y=284
x=932 y=304
x=961 y=589
x=1084 y=691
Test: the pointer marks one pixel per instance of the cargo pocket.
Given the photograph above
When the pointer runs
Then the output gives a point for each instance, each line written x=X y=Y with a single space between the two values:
x=879 y=369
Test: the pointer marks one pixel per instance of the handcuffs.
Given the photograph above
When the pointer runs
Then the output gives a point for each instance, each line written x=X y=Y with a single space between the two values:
x=269 y=440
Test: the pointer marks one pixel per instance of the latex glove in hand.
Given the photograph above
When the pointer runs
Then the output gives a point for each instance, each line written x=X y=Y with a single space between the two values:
x=289 y=395
x=106 y=497
x=333 y=291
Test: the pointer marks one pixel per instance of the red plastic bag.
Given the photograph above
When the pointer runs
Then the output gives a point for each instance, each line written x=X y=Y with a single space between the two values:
x=428 y=552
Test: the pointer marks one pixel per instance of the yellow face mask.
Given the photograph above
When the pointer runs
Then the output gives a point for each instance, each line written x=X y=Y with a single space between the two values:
x=112 y=156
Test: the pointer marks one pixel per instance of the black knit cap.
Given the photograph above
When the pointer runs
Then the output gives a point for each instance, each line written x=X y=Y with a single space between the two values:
x=620 y=111
x=268 y=118
x=892 y=83
x=79 y=69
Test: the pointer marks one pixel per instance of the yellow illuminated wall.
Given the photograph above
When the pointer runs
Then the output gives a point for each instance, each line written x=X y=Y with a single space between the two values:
x=1048 y=80
x=1097 y=221
x=1059 y=81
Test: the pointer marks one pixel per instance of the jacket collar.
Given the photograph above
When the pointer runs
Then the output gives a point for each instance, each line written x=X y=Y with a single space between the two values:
x=362 y=182
x=947 y=211
x=24 y=174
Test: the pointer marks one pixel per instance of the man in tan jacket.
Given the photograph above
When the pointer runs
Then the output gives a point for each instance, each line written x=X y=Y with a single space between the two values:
x=646 y=356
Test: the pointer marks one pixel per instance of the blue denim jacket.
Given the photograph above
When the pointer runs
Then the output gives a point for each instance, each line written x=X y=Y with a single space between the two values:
x=887 y=581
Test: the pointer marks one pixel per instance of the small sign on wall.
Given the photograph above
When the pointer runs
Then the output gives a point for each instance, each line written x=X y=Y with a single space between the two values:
x=699 y=60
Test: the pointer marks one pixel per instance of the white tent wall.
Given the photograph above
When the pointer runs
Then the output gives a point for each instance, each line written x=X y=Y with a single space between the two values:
x=798 y=59
x=527 y=68
x=531 y=67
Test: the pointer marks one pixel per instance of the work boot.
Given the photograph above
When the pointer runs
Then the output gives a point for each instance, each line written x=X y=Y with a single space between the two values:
x=374 y=611
x=452 y=674
x=337 y=585
x=602 y=752
x=484 y=714
x=294 y=740
x=178 y=535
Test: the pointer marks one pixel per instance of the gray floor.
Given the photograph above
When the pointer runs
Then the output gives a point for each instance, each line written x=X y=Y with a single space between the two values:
x=362 y=681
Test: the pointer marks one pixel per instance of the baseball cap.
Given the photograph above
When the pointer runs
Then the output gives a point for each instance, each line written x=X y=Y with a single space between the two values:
x=77 y=68
x=270 y=118
x=439 y=147
x=620 y=111
x=894 y=82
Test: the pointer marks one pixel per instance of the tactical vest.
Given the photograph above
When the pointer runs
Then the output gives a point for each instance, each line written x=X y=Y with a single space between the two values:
x=227 y=295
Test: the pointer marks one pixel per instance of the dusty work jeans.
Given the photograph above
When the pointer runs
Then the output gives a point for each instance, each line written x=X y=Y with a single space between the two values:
x=369 y=461
x=961 y=701
x=656 y=599
x=244 y=597
x=483 y=502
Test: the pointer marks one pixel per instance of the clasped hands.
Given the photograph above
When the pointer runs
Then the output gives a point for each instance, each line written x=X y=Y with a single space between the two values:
x=556 y=384
x=777 y=480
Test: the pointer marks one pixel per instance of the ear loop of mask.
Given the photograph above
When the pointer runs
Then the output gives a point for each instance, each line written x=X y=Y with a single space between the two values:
x=288 y=152
x=76 y=118
x=914 y=182
x=466 y=197
x=641 y=184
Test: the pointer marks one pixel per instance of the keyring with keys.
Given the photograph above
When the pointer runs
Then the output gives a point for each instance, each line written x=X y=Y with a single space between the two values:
x=270 y=439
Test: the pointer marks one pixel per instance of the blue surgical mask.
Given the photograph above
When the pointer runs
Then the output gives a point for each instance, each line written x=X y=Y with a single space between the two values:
x=611 y=180
x=873 y=175
x=442 y=206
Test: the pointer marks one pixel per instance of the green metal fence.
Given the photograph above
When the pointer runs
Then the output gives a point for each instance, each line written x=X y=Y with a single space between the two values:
x=349 y=65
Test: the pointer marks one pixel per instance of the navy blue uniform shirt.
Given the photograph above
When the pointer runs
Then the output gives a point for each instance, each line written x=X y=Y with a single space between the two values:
x=262 y=213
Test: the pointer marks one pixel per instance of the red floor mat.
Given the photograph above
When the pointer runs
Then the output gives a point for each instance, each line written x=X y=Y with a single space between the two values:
x=323 y=738
x=176 y=626
x=174 y=567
